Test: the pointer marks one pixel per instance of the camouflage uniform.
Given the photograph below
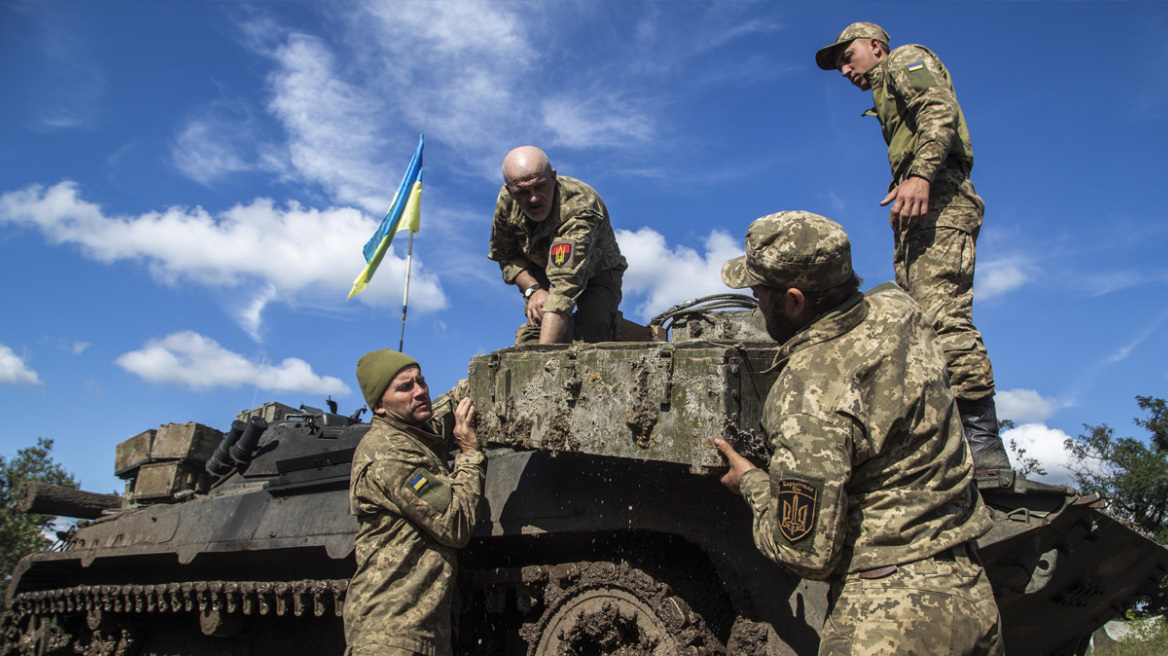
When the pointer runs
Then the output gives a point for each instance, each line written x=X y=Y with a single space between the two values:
x=927 y=137
x=572 y=253
x=870 y=478
x=413 y=513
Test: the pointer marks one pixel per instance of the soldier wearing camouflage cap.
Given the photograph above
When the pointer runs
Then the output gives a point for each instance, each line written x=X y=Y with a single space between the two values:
x=936 y=214
x=413 y=512
x=552 y=238
x=870 y=481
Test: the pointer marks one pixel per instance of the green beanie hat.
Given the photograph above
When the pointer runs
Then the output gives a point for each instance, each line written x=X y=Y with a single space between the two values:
x=375 y=371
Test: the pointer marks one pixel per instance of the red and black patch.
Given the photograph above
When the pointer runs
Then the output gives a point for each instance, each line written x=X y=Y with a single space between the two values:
x=561 y=253
x=796 y=510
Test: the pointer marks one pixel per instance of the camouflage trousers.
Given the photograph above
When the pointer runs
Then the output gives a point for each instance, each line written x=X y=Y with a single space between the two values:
x=939 y=605
x=934 y=263
x=596 y=317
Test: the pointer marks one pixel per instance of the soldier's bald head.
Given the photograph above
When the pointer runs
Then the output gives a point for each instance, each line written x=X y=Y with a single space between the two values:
x=525 y=162
x=531 y=181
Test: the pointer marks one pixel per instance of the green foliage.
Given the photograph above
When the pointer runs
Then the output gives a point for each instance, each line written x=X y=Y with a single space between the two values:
x=22 y=534
x=1132 y=476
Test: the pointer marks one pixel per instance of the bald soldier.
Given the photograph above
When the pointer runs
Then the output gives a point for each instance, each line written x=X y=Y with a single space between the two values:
x=412 y=513
x=935 y=215
x=870 y=482
x=552 y=238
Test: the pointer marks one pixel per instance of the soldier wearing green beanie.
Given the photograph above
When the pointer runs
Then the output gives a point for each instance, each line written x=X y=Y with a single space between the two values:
x=413 y=512
x=870 y=482
x=936 y=214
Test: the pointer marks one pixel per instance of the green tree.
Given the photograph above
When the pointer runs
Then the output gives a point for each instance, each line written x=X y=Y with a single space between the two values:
x=22 y=534
x=1131 y=474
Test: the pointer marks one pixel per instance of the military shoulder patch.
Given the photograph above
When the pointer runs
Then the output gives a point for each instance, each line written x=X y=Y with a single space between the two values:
x=429 y=489
x=796 y=511
x=419 y=482
x=561 y=253
x=919 y=76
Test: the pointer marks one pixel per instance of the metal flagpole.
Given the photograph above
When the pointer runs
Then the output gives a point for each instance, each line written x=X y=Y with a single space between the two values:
x=406 y=297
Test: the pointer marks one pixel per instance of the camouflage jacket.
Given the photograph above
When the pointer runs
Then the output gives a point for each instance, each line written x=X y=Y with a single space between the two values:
x=412 y=514
x=573 y=244
x=869 y=466
x=917 y=107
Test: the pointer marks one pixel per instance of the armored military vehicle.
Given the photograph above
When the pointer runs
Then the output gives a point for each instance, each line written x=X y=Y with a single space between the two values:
x=605 y=531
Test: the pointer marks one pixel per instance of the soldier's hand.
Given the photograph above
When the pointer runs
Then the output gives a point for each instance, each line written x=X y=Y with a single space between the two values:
x=534 y=307
x=910 y=204
x=464 y=430
x=738 y=465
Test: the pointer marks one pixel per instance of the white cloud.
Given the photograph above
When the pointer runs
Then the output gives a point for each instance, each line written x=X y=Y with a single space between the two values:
x=79 y=347
x=1044 y=444
x=14 y=371
x=292 y=254
x=838 y=205
x=333 y=126
x=197 y=362
x=351 y=103
x=250 y=315
x=1142 y=336
x=1000 y=277
x=351 y=94
x=468 y=74
x=1023 y=405
x=591 y=121
x=1108 y=282
x=201 y=155
x=667 y=276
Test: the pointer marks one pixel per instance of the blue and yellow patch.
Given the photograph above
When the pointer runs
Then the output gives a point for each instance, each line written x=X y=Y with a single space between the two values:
x=418 y=482
x=916 y=67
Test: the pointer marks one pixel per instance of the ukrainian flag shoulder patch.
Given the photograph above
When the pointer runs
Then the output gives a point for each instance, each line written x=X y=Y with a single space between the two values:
x=430 y=488
x=419 y=482
x=916 y=66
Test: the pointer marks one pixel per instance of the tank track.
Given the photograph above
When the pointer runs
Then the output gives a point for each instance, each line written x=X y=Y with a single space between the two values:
x=312 y=596
x=538 y=592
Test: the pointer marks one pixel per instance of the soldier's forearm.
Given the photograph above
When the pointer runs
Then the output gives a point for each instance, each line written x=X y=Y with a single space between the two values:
x=553 y=328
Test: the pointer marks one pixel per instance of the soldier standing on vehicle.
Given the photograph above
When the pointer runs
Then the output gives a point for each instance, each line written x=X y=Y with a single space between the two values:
x=413 y=513
x=870 y=484
x=552 y=238
x=935 y=214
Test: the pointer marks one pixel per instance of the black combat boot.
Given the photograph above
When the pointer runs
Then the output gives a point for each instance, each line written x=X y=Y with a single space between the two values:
x=980 y=420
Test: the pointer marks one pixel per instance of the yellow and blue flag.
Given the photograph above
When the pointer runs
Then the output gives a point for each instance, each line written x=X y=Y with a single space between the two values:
x=405 y=213
x=418 y=482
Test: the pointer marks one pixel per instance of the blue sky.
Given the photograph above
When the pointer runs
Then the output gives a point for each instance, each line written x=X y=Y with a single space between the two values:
x=185 y=188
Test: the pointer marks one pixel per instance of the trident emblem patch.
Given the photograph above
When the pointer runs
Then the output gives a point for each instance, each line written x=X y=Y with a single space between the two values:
x=798 y=505
x=561 y=253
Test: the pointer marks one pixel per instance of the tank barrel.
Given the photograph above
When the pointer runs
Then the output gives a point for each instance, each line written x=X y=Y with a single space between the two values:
x=221 y=461
x=243 y=448
x=37 y=497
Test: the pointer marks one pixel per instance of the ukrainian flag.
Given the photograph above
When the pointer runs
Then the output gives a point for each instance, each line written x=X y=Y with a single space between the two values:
x=419 y=482
x=405 y=213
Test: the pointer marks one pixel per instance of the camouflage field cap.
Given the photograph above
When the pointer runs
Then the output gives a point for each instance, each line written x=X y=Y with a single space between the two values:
x=376 y=370
x=792 y=249
x=825 y=56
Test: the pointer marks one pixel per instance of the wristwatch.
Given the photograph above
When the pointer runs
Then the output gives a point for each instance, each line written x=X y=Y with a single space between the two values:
x=531 y=290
